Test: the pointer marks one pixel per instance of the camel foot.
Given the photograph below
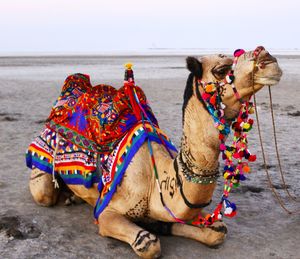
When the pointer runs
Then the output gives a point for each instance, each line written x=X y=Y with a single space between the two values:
x=218 y=233
x=211 y=236
x=42 y=188
x=144 y=243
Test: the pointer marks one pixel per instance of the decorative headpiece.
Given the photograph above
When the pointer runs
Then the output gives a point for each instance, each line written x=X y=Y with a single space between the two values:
x=128 y=77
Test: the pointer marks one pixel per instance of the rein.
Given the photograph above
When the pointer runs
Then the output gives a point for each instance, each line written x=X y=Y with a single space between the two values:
x=277 y=196
x=271 y=185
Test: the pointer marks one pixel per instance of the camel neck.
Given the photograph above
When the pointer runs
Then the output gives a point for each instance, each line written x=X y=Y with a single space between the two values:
x=200 y=140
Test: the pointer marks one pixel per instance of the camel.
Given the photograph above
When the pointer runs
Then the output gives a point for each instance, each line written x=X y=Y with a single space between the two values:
x=137 y=198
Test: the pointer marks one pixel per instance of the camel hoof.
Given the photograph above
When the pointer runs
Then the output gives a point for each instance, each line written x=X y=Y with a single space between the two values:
x=147 y=245
x=217 y=234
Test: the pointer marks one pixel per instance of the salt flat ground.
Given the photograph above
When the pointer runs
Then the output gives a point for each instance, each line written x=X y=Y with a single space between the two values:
x=29 y=86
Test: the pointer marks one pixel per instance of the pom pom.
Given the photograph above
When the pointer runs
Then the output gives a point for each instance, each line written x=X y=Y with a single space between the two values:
x=228 y=154
x=221 y=114
x=246 y=169
x=252 y=158
x=226 y=175
x=238 y=53
x=206 y=96
x=220 y=127
x=207 y=217
x=230 y=209
x=251 y=110
x=222 y=147
x=210 y=88
x=213 y=100
x=236 y=155
x=128 y=66
x=246 y=126
x=242 y=177
x=236 y=184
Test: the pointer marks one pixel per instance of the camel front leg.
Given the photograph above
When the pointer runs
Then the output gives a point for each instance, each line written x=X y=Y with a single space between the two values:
x=211 y=236
x=144 y=244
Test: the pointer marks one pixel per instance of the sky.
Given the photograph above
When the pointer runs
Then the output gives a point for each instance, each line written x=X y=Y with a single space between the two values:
x=111 y=25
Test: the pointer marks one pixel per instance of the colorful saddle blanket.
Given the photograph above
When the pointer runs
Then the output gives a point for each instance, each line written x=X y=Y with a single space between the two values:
x=95 y=118
x=99 y=135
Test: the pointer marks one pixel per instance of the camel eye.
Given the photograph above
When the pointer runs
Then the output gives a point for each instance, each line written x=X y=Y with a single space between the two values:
x=221 y=71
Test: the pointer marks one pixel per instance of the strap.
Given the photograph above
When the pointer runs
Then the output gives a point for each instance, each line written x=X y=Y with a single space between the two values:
x=187 y=203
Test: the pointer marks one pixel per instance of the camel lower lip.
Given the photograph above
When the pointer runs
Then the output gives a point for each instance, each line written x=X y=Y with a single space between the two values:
x=268 y=80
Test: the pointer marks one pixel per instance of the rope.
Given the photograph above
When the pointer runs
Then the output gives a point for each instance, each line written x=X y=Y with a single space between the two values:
x=263 y=151
x=265 y=163
x=54 y=180
x=277 y=151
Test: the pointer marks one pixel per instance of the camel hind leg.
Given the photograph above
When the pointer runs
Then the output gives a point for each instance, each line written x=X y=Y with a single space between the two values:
x=144 y=244
x=42 y=188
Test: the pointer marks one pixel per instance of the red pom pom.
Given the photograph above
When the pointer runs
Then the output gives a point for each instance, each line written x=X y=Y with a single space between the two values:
x=250 y=121
x=213 y=100
x=252 y=158
x=236 y=155
x=221 y=136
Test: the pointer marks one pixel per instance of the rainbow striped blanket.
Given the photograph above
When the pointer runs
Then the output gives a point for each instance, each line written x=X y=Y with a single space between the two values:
x=91 y=136
x=76 y=165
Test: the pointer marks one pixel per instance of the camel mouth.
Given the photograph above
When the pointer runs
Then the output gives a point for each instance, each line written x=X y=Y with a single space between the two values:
x=269 y=80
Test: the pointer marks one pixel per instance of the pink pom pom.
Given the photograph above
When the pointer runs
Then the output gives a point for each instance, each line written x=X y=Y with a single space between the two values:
x=205 y=96
x=238 y=53
x=222 y=147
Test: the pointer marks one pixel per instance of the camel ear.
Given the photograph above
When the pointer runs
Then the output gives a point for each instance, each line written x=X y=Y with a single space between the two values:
x=194 y=66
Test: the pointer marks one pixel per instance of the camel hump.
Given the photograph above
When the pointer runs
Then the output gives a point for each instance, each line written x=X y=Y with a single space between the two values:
x=78 y=81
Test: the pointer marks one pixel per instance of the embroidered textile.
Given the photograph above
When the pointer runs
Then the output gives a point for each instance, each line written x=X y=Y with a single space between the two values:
x=75 y=165
x=94 y=118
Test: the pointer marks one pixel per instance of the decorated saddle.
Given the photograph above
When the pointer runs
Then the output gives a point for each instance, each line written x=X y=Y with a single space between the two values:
x=93 y=132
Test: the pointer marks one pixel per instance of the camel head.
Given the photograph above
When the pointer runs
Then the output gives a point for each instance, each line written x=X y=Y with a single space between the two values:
x=252 y=71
